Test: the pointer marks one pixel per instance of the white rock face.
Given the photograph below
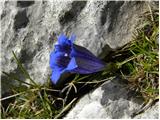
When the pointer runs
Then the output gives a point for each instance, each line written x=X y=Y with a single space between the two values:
x=151 y=113
x=112 y=100
x=89 y=106
x=100 y=26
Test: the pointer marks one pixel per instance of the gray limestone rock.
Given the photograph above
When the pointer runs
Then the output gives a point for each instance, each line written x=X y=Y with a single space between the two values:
x=151 y=113
x=112 y=100
x=26 y=28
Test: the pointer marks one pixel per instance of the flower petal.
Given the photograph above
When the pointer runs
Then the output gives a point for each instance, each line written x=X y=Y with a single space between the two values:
x=72 y=65
x=56 y=74
x=59 y=48
x=70 y=58
x=63 y=40
x=58 y=59
x=87 y=66
x=78 y=51
x=52 y=59
x=72 y=38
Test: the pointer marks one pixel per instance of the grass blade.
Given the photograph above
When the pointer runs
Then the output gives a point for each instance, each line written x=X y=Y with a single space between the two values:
x=24 y=71
x=65 y=109
x=15 y=78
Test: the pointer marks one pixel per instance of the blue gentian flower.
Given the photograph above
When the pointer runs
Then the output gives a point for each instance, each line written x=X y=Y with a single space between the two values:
x=70 y=58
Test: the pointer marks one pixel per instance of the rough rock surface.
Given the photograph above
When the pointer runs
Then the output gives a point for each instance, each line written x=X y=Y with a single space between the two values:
x=151 y=113
x=26 y=27
x=112 y=100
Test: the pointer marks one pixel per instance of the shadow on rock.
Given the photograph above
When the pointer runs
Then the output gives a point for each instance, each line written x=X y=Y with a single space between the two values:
x=118 y=100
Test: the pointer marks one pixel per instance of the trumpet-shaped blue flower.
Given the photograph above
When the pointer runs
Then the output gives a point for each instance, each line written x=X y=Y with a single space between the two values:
x=70 y=58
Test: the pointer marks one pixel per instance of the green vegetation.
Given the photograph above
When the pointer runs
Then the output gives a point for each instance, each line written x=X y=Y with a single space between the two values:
x=137 y=63
x=141 y=69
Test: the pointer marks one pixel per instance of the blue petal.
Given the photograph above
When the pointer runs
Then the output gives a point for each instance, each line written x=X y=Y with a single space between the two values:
x=87 y=66
x=63 y=40
x=72 y=38
x=68 y=57
x=59 y=48
x=78 y=51
x=72 y=65
x=56 y=74
x=52 y=59
x=58 y=59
